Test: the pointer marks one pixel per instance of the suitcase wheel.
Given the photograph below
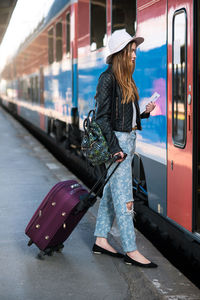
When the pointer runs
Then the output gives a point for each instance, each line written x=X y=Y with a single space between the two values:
x=48 y=251
x=59 y=248
x=30 y=242
x=41 y=255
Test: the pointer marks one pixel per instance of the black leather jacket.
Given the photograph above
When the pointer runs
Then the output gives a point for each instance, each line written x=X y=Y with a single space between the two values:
x=111 y=114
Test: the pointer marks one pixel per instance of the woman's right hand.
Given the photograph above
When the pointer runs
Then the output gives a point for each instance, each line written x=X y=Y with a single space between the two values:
x=121 y=154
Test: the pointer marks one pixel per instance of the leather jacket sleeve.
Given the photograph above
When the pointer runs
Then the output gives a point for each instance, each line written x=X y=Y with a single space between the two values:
x=104 y=99
x=144 y=115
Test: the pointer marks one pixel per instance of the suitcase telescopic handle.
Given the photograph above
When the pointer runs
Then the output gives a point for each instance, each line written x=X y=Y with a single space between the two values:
x=88 y=200
x=113 y=160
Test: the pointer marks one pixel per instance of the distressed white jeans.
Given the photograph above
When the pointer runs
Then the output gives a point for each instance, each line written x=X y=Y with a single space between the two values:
x=117 y=192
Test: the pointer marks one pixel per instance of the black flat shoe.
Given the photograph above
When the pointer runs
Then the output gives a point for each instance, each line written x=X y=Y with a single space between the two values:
x=130 y=261
x=98 y=250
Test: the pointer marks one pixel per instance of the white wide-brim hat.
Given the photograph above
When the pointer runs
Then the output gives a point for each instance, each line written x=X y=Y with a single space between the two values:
x=118 y=41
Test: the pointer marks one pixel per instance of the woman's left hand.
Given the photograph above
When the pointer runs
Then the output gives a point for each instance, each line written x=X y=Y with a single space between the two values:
x=150 y=106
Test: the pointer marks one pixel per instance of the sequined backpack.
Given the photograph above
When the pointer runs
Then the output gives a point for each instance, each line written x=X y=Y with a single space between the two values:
x=94 y=145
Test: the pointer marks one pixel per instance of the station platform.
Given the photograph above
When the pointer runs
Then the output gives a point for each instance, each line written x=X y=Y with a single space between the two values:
x=27 y=172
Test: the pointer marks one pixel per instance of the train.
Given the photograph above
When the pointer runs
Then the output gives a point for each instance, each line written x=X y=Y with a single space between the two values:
x=51 y=82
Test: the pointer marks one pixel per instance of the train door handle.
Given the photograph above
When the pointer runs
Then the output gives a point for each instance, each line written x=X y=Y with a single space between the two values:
x=189 y=120
x=189 y=99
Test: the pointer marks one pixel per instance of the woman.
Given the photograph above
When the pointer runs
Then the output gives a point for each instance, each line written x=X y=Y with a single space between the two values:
x=118 y=115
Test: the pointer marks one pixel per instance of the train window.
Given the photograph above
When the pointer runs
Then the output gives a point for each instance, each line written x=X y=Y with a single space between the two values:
x=97 y=24
x=124 y=15
x=68 y=33
x=31 y=90
x=59 y=41
x=179 y=79
x=50 y=46
x=35 y=89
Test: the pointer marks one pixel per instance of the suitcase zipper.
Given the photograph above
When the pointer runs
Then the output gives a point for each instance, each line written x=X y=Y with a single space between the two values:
x=117 y=107
x=123 y=118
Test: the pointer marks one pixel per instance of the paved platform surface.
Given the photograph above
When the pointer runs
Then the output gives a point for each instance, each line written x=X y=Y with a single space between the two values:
x=27 y=172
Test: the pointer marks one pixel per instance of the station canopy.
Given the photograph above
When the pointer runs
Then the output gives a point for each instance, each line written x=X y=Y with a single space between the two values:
x=6 y=10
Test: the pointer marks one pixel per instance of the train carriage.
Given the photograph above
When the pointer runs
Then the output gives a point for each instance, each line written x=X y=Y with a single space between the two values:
x=51 y=82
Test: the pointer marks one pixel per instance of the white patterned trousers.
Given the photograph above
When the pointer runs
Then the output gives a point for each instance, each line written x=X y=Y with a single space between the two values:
x=117 y=192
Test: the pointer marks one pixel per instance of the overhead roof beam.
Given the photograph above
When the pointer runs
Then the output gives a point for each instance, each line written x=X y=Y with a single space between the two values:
x=6 y=10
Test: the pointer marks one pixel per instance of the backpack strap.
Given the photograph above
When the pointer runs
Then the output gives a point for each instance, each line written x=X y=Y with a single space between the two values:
x=113 y=96
x=86 y=123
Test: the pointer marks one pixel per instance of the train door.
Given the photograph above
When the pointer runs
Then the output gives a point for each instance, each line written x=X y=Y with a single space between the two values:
x=71 y=28
x=196 y=206
x=69 y=56
x=41 y=97
x=180 y=112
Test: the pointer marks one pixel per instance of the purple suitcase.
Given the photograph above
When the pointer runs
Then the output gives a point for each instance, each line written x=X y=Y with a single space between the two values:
x=54 y=220
x=59 y=213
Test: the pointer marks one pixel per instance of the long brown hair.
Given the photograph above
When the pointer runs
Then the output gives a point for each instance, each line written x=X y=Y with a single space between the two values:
x=123 y=69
